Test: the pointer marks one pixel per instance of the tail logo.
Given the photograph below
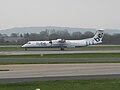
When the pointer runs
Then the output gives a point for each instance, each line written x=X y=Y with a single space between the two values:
x=100 y=35
x=98 y=38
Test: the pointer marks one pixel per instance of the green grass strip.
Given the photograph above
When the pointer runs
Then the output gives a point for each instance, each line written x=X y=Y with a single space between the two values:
x=57 y=62
x=91 y=84
x=80 y=55
x=83 y=55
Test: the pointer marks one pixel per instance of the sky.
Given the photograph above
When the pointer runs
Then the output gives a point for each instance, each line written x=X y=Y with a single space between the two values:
x=63 y=13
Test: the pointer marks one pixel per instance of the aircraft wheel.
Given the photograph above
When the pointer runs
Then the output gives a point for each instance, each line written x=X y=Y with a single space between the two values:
x=25 y=49
x=62 y=49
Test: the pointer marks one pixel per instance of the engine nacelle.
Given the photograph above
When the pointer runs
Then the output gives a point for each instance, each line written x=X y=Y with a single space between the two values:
x=61 y=40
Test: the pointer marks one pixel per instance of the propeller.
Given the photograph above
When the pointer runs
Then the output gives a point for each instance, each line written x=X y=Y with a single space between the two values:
x=50 y=42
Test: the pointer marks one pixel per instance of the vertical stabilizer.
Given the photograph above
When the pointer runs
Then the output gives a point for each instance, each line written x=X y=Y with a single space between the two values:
x=98 y=36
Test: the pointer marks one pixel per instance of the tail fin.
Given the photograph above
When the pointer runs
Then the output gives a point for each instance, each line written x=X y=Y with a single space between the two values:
x=98 y=36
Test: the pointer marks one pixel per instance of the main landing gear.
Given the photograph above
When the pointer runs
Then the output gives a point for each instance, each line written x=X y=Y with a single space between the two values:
x=25 y=49
x=62 y=49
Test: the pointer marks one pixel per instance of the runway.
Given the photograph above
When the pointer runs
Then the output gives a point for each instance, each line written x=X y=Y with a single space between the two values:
x=31 y=72
x=56 y=52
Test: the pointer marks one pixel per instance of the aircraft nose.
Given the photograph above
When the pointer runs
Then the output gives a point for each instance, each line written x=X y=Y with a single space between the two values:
x=23 y=45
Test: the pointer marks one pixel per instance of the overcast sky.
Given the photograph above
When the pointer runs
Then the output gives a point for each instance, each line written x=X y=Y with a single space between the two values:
x=67 y=13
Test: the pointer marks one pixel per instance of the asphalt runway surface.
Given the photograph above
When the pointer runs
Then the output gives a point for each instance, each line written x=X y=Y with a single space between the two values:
x=56 y=52
x=33 y=72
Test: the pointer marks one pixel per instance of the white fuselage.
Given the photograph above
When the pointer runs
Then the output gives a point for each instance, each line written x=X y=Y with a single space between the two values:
x=55 y=43
x=61 y=43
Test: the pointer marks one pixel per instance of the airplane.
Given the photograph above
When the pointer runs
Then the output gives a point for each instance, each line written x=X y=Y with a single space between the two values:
x=62 y=43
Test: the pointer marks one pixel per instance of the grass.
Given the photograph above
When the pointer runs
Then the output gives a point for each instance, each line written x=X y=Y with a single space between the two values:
x=81 y=55
x=57 y=62
x=91 y=84
x=77 y=55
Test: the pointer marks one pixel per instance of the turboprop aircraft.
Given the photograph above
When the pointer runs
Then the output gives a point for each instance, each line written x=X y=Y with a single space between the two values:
x=62 y=43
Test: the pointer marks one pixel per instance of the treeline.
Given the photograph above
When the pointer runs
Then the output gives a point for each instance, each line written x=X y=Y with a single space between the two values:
x=16 y=38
